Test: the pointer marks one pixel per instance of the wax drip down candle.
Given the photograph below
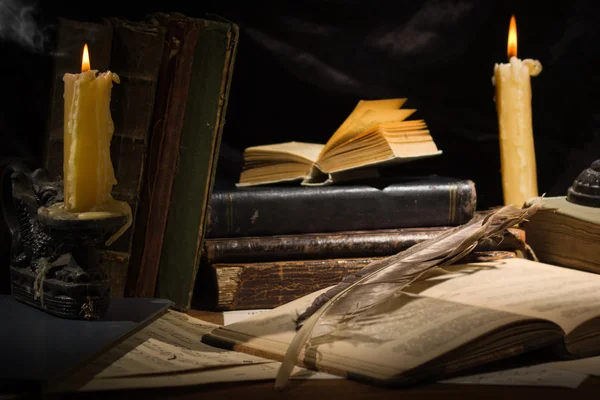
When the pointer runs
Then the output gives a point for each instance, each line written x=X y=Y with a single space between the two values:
x=513 y=106
x=88 y=129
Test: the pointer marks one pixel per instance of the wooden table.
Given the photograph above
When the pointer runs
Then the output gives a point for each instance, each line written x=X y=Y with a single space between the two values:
x=347 y=390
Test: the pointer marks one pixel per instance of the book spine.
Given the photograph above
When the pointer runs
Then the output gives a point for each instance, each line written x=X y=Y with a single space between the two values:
x=380 y=243
x=247 y=286
x=163 y=156
x=205 y=111
x=281 y=211
x=136 y=54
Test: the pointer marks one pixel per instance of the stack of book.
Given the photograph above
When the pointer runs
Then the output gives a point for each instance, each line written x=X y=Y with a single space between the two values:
x=267 y=246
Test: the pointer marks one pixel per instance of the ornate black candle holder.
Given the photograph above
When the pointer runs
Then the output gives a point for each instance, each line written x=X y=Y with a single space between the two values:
x=54 y=264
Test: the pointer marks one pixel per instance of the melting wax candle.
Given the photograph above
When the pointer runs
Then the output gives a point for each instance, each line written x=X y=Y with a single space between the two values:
x=88 y=129
x=513 y=105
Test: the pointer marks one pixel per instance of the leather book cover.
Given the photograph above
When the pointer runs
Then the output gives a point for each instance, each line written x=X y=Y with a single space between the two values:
x=356 y=244
x=279 y=210
x=183 y=154
x=247 y=286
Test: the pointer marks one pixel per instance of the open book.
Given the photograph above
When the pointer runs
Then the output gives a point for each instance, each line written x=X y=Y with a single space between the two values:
x=376 y=132
x=453 y=319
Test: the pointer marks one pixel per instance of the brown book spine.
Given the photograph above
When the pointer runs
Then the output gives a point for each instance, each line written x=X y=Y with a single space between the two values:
x=378 y=243
x=164 y=149
x=249 y=286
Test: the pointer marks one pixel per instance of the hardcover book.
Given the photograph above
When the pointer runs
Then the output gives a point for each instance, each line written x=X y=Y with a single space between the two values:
x=453 y=319
x=408 y=203
x=193 y=88
x=375 y=133
x=270 y=284
x=346 y=244
x=566 y=234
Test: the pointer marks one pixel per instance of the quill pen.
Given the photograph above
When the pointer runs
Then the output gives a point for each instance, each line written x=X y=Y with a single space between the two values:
x=383 y=279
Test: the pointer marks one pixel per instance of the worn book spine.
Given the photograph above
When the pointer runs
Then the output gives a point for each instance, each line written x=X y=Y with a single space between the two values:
x=246 y=286
x=272 y=211
x=187 y=155
x=156 y=188
x=378 y=243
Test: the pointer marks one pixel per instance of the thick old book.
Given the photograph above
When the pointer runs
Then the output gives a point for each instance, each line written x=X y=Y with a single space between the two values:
x=463 y=316
x=132 y=50
x=194 y=84
x=267 y=211
x=270 y=284
x=566 y=234
x=353 y=244
x=375 y=133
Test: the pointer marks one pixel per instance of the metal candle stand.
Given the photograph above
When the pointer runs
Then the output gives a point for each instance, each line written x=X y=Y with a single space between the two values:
x=54 y=264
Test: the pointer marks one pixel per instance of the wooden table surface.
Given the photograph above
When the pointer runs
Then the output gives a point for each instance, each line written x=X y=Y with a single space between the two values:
x=345 y=389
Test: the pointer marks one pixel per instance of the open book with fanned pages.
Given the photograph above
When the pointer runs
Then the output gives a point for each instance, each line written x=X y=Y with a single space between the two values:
x=377 y=132
x=453 y=319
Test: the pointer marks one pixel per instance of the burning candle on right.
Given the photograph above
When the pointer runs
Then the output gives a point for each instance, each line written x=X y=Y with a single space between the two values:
x=513 y=105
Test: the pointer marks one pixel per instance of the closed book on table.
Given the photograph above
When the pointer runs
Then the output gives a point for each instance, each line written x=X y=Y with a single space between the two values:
x=261 y=211
x=269 y=284
x=313 y=246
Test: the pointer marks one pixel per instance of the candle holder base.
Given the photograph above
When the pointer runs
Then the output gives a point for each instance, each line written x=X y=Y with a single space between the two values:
x=585 y=190
x=54 y=265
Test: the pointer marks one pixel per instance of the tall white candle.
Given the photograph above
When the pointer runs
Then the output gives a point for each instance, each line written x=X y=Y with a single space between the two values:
x=513 y=105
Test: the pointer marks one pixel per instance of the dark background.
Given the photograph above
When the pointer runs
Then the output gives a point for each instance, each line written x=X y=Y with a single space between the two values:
x=302 y=66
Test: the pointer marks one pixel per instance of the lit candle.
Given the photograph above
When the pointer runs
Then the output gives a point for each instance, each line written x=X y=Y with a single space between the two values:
x=513 y=105
x=88 y=129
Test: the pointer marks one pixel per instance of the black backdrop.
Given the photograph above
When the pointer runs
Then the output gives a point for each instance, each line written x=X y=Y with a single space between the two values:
x=302 y=65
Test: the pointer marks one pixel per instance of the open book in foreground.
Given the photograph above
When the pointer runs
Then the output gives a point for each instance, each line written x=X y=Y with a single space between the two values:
x=376 y=132
x=452 y=320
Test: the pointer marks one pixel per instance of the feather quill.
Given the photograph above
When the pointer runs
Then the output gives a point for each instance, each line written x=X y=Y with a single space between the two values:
x=383 y=279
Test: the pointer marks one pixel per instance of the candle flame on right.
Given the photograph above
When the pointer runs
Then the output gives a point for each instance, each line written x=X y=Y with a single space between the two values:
x=85 y=60
x=512 y=38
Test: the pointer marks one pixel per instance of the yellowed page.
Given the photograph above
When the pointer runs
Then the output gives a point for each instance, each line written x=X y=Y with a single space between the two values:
x=308 y=151
x=169 y=344
x=564 y=296
x=361 y=124
x=409 y=332
x=361 y=107
x=241 y=373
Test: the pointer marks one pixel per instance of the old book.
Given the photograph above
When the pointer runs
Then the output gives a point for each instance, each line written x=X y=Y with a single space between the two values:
x=140 y=361
x=132 y=50
x=457 y=318
x=195 y=77
x=566 y=234
x=257 y=285
x=267 y=211
x=376 y=132
x=353 y=244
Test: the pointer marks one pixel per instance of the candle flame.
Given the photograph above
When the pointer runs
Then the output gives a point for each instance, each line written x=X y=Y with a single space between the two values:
x=85 y=60
x=512 y=38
